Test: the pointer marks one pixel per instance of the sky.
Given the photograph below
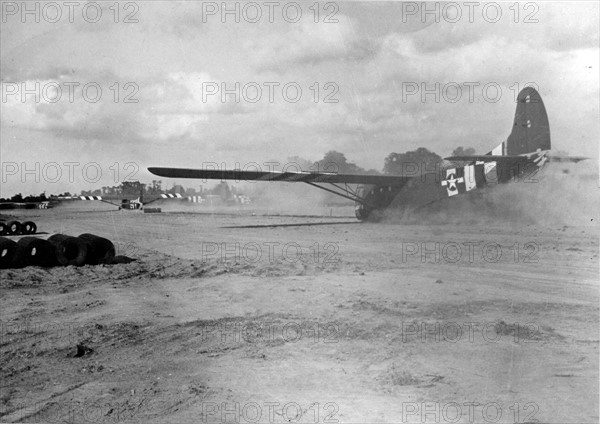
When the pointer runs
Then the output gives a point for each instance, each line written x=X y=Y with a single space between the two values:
x=93 y=93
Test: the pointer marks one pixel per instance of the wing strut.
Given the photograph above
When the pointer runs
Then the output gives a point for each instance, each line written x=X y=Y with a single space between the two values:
x=346 y=192
x=110 y=203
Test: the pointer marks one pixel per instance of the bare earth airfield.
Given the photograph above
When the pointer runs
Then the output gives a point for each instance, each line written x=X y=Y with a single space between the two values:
x=226 y=316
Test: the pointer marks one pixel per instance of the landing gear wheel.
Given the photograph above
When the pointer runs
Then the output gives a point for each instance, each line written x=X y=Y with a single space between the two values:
x=362 y=212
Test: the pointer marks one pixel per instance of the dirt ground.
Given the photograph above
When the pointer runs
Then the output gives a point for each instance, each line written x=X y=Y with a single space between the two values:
x=235 y=318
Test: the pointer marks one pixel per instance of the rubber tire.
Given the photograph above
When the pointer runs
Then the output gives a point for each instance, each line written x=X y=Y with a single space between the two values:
x=8 y=249
x=14 y=228
x=29 y=227
x=3 y=229
x=35 y=251
x=362 y=212
x=69 y=250
x=100 y=249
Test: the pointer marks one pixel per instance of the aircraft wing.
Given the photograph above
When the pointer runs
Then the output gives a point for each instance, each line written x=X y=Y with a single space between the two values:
x=293 y=177
x=105 y=199
x=77 y=198
x=126 y=201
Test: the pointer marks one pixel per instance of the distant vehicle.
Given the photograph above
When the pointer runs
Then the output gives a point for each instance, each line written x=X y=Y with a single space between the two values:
x=521 y=156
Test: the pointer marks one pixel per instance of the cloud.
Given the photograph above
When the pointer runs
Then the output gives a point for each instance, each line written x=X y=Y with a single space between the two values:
x=310 y=43
x=172 y=107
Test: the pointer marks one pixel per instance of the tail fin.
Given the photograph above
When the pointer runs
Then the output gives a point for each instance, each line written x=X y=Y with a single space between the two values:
x=531 y=130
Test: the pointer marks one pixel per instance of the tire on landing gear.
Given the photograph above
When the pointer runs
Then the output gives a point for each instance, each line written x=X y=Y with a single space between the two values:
x=365 y=214
x=362 y=212
x=3 y=229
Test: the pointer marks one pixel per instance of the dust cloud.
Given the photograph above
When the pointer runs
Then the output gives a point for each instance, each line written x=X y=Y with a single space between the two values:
x=290 y=198
x=562 y=194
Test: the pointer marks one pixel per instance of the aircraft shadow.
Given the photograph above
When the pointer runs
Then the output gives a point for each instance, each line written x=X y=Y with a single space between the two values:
x=300 y=224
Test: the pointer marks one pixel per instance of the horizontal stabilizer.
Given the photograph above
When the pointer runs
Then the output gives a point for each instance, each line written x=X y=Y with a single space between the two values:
x=514 y=159
x=567 y=158
x=488 y=158
x=295 y=177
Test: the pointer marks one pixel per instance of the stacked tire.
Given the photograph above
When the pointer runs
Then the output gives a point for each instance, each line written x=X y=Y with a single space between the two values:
x=69 y=250
x=8 y=249
x=34 y=251
x=15 y=228
x=99 y=249
x=58 y=250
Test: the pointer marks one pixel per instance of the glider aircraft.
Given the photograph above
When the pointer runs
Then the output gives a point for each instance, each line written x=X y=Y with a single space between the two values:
x=119 y=201
x=521 y=156
x=132 y=204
